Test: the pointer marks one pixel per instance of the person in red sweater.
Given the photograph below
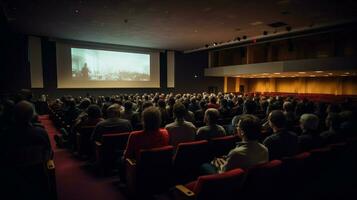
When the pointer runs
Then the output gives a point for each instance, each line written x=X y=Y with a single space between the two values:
x=151 y=137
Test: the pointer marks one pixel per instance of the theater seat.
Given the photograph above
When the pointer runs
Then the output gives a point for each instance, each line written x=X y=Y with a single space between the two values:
x=151 y=174
x=222 y=145
x=110 y=150
x=188 y=159
x=225 y=186
x=31 y=171
x=262 y=180
x=84 y=144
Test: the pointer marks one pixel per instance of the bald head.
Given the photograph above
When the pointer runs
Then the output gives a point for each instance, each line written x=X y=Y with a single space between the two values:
x=113 y=111
x=23 y=112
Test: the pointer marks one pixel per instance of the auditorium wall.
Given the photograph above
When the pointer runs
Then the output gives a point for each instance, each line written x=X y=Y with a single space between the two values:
x=320 y=85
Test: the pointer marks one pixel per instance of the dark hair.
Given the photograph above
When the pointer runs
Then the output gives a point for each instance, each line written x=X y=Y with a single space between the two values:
x=334 y=120
x=179 y=110
x=146 y=105
x=94 y=111
x=288 y=106
x=250 y=107
x=151 y=118
x=277 y=118
x=23 y=112
x=251 y=126
x=113 y=111
x=161 y=103
x=128 y=105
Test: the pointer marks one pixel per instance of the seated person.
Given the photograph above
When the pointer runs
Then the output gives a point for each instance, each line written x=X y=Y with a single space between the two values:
x=113 y=124
x=247 y=154
x=212 y=129
x=130 y=114
x=151 y=137
x=310 y=137
x=180 y=130
x=333 y=134
x=283 y=142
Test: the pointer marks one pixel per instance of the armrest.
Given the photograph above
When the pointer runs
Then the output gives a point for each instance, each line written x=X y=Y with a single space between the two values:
x=131 y=162
x=98 y=144
x=180 y=192
x=50 y=164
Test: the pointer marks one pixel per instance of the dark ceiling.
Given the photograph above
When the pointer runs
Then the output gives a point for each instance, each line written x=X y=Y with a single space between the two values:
x=168 y=24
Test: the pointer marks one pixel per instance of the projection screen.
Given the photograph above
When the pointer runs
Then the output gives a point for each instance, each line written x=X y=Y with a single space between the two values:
x=80 y=66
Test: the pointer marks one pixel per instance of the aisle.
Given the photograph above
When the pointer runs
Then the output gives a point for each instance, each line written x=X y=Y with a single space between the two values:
x=73 y=181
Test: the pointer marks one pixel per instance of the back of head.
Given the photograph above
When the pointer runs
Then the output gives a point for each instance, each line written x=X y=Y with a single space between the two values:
x=288 y=106
x=128 y=105
x=113 y=111
x=23 y=112
x=161 y=103
x=309 y=122
x=250 y=125
x=333 y=120
x=249 y=107
x=277 y=118
x=179 y=110
x=146 y=105
x=94 y=111
x=211 y=116
x=151 y=118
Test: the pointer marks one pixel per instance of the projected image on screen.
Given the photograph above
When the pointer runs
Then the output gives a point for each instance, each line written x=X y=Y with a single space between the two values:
x=100 y=65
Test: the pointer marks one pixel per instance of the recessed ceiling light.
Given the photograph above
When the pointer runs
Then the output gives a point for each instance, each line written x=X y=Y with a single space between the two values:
x=302 y=72
x=319 y=71
x=312 y=76
x=277 y=73
x=325 y=75
x=330 y=73
x=347 y=73
x=265 y=74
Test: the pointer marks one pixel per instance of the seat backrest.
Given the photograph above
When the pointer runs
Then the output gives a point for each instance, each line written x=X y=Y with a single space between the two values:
x=263 y=179
x=226 y=185
x=116 y=141
x=156 y=156
x=191 y=154
x=222 y=145
x=27 y=156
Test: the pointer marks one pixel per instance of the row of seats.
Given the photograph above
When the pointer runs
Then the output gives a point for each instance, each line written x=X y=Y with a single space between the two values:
x=303 y=176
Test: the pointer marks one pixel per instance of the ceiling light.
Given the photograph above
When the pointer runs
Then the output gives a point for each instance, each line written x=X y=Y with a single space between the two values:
x=293 y=76
x=276 y=73
x=347 y=73
x=265 y=74
x=283 y=76
x=312 y=76
x=302 y=72
x=319 y=71
x=325 y=75
x=214 y=44
x=343 y=75
x=330 y=73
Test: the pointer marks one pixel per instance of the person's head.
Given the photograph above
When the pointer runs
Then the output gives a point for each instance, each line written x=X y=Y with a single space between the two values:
x=288 y=106
x=249 y=107
x=151 y=119
x=213 y=100
x=84 y=104
x=277 y=120
x=161 y=103
x=179 y=110
x=333 y=121
x=309 y=122
x=128 y=106
x=23 y=112
x=211 y=116
x=94 y=112
x=113 y=111
x=146 y=105
x=248 y=127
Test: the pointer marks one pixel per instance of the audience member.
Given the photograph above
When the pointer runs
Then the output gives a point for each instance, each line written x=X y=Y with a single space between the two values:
x=283 y=142
x=310 y=137
x=212 y=129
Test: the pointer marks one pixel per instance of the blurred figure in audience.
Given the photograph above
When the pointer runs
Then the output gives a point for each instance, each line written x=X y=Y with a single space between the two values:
x=282 y=142
x=213 y=103
x=180 y=130
x=291 y=119
x=310 y=137
x=212 y=129
x=113 y=124
x=130 y=114
x=333 y=134
x=247 y=154
x=164 y=114
x=150 y=137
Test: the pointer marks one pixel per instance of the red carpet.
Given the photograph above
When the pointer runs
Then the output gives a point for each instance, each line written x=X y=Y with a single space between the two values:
x=74 y=182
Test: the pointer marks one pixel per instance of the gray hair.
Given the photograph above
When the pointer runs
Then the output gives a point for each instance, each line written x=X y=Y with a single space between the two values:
x=309 y=122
